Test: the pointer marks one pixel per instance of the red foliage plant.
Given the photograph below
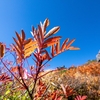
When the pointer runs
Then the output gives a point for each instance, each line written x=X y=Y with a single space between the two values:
x=35 y=47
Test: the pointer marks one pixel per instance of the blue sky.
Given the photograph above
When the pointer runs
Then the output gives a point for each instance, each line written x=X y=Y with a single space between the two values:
x=78 y=19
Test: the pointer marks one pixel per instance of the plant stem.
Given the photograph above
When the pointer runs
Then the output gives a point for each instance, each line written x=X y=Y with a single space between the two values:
x=35 y=81
x=11 y=72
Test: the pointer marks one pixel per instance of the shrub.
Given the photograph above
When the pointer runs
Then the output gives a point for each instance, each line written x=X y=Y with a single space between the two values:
x=17 y=71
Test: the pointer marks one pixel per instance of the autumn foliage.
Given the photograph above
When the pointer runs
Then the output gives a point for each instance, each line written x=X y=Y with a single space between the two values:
x=20 y=75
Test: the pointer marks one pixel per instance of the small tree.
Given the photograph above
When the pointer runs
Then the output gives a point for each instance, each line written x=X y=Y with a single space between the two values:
x=35 y=48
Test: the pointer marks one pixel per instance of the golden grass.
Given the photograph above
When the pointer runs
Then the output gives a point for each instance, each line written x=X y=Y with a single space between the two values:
x=85 y=79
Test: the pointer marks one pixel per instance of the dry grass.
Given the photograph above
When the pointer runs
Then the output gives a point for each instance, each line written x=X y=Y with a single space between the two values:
x=85 y=79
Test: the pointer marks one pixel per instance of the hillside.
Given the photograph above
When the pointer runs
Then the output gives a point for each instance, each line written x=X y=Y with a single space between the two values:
x=84 y=79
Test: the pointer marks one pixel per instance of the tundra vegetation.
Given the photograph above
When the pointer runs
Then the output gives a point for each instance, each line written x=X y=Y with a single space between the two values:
x=21 y=80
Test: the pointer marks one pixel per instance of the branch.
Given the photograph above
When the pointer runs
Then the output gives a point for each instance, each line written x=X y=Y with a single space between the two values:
x=11 y=73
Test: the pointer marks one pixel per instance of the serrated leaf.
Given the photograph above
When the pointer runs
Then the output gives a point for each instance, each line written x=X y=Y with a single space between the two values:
x=43 y=52
x=27 y=41
x=29 y=51
x=49 y=44
x=34 y=33
x=14 y=69
x=30 y=44
x=52 y=50
x=22 y=35
x=32 y=48
x=19 y=38
x=2 y=50
x=18 y=51
x=40 y=33
x=68 y=45
x=52 y=31
x=80 y=97
x=51 y=41
x=57 y=47
x=44 y=57
x=39 y=40
x=45 y=24
x=64 y=44
x=17 y=42
x=48 y=57
x=73 y=48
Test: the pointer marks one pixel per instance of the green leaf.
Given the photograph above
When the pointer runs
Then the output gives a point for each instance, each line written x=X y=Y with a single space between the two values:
x=7 y=92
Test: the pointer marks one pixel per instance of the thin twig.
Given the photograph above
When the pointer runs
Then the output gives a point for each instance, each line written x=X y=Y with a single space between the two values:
x=35 y=81
x=26 y=87
x=11 y=72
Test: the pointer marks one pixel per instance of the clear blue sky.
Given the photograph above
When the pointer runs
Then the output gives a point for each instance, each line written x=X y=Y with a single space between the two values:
x=78 y=19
